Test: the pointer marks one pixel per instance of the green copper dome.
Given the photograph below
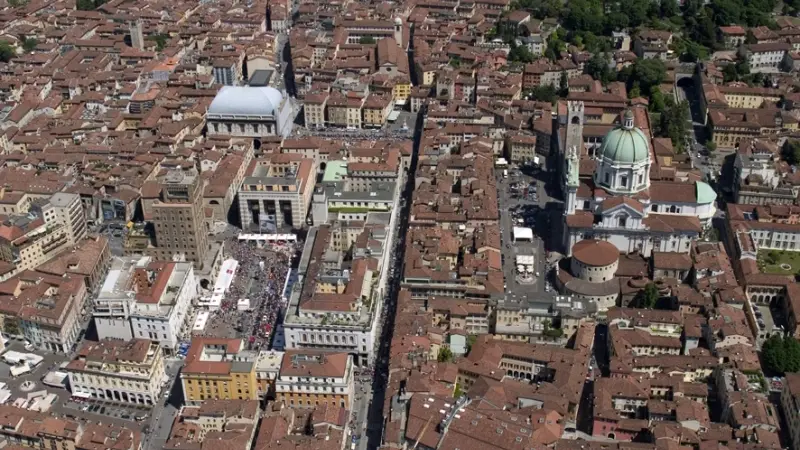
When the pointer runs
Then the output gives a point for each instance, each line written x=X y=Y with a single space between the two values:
x=625 y=145
x=705 y=193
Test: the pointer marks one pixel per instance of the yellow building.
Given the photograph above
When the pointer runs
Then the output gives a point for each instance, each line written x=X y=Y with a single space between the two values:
x=749 y=97
x=729 y=126
x=401 y=91
x=219 y=369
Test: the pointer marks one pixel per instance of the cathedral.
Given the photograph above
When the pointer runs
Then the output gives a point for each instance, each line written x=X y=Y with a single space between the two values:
x=610 y=196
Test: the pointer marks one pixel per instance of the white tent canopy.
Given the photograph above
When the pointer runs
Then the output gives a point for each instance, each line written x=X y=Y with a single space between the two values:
x=523 y=234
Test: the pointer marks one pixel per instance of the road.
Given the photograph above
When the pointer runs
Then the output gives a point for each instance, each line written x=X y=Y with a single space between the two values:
x=371 y=439
x=164 y=412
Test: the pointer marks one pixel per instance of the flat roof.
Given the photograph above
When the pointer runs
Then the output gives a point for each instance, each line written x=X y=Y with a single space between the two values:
x=335 y=171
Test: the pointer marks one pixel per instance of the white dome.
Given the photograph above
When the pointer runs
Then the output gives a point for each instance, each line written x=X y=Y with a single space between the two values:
x=246 y=100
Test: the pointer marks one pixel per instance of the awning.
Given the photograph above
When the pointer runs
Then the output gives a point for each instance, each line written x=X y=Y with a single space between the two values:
x=81 y=395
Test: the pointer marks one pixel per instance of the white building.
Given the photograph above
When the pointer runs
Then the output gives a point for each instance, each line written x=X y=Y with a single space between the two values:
x=620 y=204
x=765 y=57
x=245 y=111
x=69 y=211
x=308 y=379
x=145 y=299
x=128 y=372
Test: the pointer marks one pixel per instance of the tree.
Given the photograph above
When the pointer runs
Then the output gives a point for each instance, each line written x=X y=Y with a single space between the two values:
x=520 y=53
x=781 y=354
x=17 y=3
x=647 y=73
x=563 y=81
x=445 y=355
x=366 y=40
x=791 y=151
x=657 y=102
x=162 y=39
x=28 y=44
x=88 y=5
x=546 y=93
x=649 y=296
x=673 y=122
x=457 y=392
x=598 y=68
x=584 y=15
x=471 y=341
x=6 y=52
x=711 y=146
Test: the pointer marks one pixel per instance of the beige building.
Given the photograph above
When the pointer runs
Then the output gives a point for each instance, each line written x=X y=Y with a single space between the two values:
x=31 y=429
x=521 y=148
x=310 y=378
x=178 y=220
x=43 y=309
x=119 y=371
x=314 y=110
x=277 y=192
x=39 y=231
x=230 y=421
x=344 y=111
x=376 y=110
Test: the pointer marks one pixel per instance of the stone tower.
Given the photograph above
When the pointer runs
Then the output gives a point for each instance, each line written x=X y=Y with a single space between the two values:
x=137 y=37
x=575 y=120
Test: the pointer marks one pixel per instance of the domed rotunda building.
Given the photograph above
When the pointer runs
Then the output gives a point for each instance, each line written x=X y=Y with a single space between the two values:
x=623 y=162
x=618 y=201
x=249 y=111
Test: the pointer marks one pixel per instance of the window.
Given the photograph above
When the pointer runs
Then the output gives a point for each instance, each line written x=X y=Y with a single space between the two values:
x=623 y=181
x=622 y=220
x=607 y=178
x=654 y=208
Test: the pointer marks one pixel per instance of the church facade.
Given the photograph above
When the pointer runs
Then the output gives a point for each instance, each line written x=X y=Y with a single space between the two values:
x=618 y=202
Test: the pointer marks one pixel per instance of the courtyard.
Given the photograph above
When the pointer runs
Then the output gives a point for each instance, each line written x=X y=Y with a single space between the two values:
x=779 y=262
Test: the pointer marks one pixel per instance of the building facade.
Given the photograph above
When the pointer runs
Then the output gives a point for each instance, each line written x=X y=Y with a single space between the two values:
x=178 y=219
x=128 y=372
x=309 y=379
x=219 y=369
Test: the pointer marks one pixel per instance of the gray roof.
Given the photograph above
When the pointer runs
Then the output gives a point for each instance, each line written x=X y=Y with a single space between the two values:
x=246 y=101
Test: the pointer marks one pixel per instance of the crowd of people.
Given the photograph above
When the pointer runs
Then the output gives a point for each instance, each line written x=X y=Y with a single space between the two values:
x=268 y=268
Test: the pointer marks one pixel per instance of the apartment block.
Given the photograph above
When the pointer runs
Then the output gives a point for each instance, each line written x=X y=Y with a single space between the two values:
x=33 y=236
x=219 y=369
x=310 y=378
x=276 y=192
x=43 y=309
x=30 y=429
x=228 y=423
x=146 y=299
x=119 y=371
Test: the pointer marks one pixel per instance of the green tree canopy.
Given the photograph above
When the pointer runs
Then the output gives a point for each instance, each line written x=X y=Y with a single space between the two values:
x=647 y=73
x=366 y=40
x=791 y=151
x=445 y=355
x=649 y=296
x=28 y=44
x=598 y=68
x=781 y=354
x=520 y=53
x=674 y=123
x=546 y=93
x=6 y=52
